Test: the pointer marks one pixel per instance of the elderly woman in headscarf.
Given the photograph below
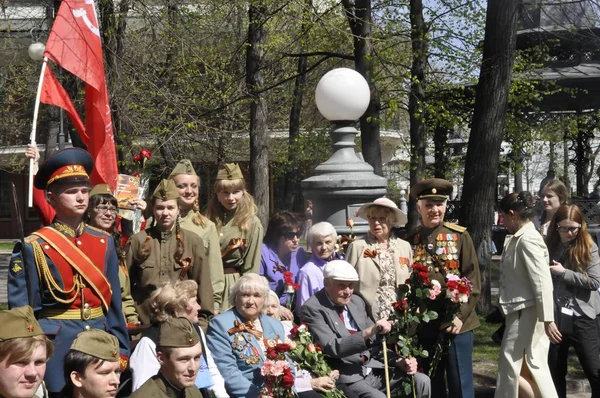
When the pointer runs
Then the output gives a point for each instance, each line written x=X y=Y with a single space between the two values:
x=239 y=337
x=381 y=260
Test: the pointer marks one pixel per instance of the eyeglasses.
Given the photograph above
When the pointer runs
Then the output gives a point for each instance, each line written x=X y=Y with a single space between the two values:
x=105 y=209
x=291 y=235
x=568 y=229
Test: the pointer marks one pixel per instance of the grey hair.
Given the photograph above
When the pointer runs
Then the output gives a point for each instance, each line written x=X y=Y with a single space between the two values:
x=250 y=283
x=435 y=200
x=320 y=230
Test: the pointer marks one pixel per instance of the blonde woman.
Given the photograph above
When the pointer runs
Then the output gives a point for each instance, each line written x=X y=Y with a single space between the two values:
x=171 y=301
x=190 y=218
x=233 y=211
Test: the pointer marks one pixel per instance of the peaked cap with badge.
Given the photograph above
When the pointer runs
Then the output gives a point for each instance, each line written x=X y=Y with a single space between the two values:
x=19 y=322
x=97 y=343
x=433 y=188
x=183 y=167
x=166 y=190
x=66 y=165
x=177 y=332
x=229 y=171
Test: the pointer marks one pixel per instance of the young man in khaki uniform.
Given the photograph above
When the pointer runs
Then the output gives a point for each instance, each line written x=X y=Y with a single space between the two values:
x=178 y=352
x=446 y=248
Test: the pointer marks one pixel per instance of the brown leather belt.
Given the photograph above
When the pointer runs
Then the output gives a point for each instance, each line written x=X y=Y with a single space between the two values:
x=230 y=270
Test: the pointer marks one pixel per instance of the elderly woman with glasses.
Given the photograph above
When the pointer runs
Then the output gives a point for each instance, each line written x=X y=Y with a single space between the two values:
x=575 y=268
x=281 y=254
x=239 y=337
x=381 y=260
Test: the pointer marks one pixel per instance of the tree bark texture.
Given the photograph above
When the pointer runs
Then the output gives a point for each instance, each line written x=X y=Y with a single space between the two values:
x=442 y=161
x=483 y=153
x=259 y=138
x=360 y=20
x=416 y=109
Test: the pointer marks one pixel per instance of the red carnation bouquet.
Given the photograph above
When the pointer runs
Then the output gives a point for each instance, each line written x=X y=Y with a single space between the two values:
x=279 y=379
x=457 y=292
x=309 y=356
x=411 y=311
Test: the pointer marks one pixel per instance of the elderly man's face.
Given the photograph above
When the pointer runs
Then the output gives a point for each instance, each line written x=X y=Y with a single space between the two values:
x=250 y=304
x=339 y=292
x=432 y=212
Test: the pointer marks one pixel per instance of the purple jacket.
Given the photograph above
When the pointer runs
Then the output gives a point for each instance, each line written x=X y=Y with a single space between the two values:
x=272 y=268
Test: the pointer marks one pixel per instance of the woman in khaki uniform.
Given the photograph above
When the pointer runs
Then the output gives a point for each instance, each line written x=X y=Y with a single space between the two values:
x=190 y=218
x=166 y=253
x=233 y=211
x=382 y=261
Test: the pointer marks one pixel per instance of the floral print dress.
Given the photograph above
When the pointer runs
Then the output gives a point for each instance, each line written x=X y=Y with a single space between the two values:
x=386 y=292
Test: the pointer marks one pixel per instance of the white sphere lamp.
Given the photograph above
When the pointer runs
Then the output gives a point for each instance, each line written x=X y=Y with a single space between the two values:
x=342 y=95
x=36 y=51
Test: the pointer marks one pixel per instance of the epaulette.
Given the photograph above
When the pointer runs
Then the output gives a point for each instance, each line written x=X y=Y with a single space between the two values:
x=98 y=230
x=455 y=227
x=31 y=238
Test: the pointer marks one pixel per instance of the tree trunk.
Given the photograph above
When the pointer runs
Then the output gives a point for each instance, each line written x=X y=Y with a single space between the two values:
x=259 y=137
x=483 y=153
x=416 y=110
x=360 y=20
x=565 y=179
x=293 y=176
x=442 y=163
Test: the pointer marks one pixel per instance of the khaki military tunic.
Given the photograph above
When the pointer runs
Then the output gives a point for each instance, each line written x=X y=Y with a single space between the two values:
x=453 y=247
x=210 y=238
x=240 y=260
x=160 y=267
x=158 y=387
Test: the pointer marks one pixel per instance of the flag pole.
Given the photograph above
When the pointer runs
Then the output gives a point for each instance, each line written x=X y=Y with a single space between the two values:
x=36 y=110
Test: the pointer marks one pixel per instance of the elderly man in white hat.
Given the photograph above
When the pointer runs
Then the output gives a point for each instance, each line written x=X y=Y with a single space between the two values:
x=339 y=321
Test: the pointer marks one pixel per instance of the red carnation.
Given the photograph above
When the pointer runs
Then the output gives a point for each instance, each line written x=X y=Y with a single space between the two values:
x=281 y=347
x=404 y=304
x=137 y=158
x=288 y=378
x=146 y=153
x=294 y=331
x=288 y=278
x=452 y=285
x=319 y=349
x=396 y=305
x=272 y=353
x=463 y=289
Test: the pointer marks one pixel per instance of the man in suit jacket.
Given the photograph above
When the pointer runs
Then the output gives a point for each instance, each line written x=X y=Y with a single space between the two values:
x=339 y=322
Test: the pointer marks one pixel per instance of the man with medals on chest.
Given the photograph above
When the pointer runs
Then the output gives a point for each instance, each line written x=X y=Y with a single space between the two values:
x=67 y=271
x=446 y=248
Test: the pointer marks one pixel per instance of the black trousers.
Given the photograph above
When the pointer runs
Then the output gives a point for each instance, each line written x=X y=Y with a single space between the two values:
x=586 y=341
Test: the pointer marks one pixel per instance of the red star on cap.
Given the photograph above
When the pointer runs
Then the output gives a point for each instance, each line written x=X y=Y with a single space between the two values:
x=30 y=328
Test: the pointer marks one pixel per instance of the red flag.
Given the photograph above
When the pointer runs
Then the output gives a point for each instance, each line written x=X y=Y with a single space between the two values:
x=74 y=43
x=53 y=93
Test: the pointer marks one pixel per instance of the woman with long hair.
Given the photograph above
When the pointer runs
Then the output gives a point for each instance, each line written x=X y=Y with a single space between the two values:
x=575 y=268
x=554 y=195
x=190 y=218
x=233 y=211
x=165 y=252
x=526 y=301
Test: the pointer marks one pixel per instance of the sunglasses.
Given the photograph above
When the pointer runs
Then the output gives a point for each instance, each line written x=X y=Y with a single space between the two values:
x=291 y=235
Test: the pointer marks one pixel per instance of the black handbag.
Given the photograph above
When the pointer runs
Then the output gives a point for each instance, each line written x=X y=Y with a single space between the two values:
x=563 y=315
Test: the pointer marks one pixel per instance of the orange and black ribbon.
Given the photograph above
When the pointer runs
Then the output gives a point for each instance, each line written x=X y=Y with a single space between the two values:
x=247 y=327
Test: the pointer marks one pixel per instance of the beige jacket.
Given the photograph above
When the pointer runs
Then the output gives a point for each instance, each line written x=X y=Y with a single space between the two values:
x=525 y=280
x=368 y=267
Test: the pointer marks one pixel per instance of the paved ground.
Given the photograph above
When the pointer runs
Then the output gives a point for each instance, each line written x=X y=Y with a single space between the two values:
x=4 y=258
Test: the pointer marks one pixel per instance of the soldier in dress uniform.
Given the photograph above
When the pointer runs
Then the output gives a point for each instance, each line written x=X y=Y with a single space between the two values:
x=67 y=271
x=178 y=352
x=24 y=351
x=164 y=253
x=446 y=248
x=92 y=366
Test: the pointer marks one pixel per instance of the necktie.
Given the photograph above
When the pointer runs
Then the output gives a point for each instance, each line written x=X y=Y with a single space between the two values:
x=340 y=310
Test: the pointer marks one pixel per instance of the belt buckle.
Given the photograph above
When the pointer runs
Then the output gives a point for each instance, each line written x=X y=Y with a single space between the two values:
x=86 y=312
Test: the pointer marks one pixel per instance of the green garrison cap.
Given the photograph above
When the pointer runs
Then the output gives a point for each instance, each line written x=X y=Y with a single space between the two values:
x=19 y=322
x=434 y=188
x=101 y=189
x=97 y=343
x=177 y=332
x=166 y=190
x=229 y=171
x=183 y=167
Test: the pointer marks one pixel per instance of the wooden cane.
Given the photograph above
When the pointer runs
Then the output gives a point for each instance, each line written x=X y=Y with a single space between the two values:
x=386 y=371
